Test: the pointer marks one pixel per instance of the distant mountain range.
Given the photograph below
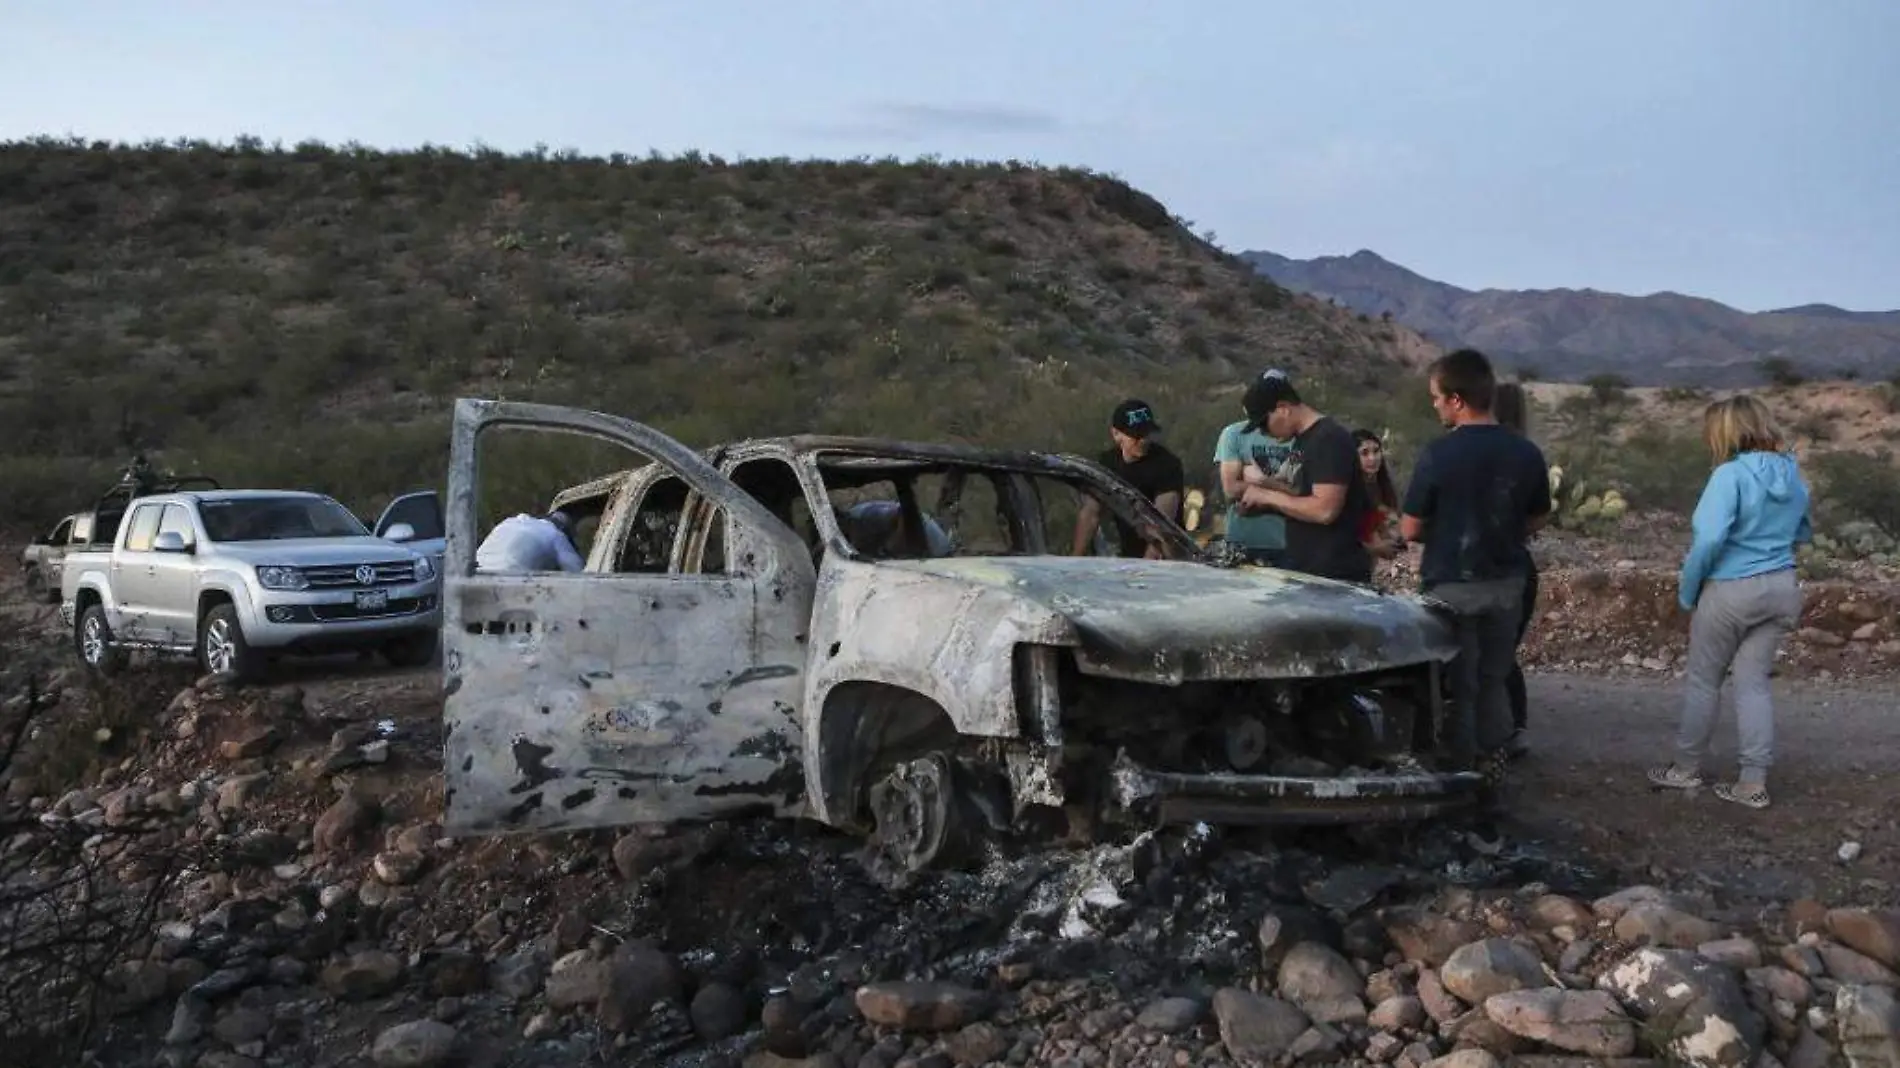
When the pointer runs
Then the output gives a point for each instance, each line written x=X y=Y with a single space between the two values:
x=1569 y=335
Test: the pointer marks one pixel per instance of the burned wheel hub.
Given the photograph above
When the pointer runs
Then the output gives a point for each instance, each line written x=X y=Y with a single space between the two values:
x=1245 y=741
x=922 y=814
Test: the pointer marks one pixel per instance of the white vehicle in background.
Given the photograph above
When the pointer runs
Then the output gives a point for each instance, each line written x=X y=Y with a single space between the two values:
x=239 y=577
x=415 y=520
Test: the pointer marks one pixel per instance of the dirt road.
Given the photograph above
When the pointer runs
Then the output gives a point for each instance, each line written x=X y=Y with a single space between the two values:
x=1838 y=757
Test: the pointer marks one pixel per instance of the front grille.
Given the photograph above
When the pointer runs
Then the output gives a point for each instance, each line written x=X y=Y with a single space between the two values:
x=333 y=576
x=398 y=606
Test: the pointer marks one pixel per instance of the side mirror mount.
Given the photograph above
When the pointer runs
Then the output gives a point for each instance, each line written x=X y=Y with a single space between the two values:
x=170 y=541
x=400 y=532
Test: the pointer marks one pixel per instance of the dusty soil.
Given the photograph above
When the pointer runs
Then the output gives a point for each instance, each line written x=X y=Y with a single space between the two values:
x=1582 y=793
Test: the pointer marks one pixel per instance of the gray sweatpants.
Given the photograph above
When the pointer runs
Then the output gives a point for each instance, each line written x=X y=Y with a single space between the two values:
x=1737 y=625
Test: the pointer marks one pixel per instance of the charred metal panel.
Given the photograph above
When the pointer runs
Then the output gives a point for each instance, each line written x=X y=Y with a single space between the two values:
x=1173 y=622
x=605 y=700
x=590 y=700
x=1237 y=798
x=949 y=640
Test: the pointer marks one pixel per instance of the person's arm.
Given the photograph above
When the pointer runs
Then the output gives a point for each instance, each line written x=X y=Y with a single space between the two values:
x=1321 y=506
x=1331 y=467
x=1421 y=498
x=1714 y=517
x=1087 y=521
x=564 y=552
x=1170 y=504
x=1539 y=505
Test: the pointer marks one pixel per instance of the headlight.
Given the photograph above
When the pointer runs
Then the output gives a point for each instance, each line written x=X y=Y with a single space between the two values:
x=273 y=577
x=424 y=569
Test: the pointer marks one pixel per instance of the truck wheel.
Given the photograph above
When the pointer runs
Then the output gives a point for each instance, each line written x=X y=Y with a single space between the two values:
x=414 y=651
x=92 y=639
x=222 y=650
x=922 y=814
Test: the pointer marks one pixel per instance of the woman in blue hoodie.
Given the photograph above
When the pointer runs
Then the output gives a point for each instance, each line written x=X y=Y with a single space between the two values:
x=1739 y=581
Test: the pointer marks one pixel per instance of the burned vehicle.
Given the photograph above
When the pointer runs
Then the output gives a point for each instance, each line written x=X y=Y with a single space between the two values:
x=880 y=636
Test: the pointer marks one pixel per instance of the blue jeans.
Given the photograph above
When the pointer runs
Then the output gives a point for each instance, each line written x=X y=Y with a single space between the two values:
x=1485 y=615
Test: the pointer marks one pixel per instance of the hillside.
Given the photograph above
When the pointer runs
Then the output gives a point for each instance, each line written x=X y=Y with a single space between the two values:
x=1571 y=334
x=306 y=316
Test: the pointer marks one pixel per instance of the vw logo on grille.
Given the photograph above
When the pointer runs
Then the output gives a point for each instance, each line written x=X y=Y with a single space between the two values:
x=366 y=574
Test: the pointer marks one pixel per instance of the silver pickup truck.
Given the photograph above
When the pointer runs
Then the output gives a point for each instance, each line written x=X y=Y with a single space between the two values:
x=236 y=577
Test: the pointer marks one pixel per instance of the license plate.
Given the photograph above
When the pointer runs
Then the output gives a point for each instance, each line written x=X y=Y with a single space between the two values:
x=372 y=600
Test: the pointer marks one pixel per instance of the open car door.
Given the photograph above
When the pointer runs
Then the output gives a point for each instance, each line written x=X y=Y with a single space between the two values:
x=602 y=698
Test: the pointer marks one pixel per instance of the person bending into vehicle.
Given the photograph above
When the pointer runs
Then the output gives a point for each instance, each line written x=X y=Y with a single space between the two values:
x=530 y=543
x=1477 y=494
x=1327 y=502
x=877 y=529
x=1143 y=463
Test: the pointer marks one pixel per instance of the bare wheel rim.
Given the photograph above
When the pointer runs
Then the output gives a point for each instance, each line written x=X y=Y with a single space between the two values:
x=220 y=650
x=92 y=640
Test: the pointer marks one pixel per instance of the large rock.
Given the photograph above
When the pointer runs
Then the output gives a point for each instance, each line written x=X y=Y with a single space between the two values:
x=1661 y=925
x=1428 y=937
x=1257 y=1030
x=1697 y=1007
x=1291 y=925
x=1556 y=910
x=1613 y=907
x=1580 y=1021
x=637 y=977
x=421 y=1044
x=360 y=976
x=1482 y=970
x=1869 y=1021
x=1847 y=966
x=1873 y=933
x=1323 y=983
x=342 y=825
x=718 y=1012
x=921 y=1006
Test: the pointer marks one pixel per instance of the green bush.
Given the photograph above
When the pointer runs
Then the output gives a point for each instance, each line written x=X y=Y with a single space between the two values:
x=1856 y=486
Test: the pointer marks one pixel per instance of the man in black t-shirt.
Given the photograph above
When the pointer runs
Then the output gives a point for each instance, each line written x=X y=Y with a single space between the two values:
x=1144 y=464
x=1329 y=500
x=1476 y=496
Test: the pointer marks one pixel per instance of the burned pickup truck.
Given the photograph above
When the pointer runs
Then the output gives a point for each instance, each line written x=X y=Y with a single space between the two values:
x=881 y=636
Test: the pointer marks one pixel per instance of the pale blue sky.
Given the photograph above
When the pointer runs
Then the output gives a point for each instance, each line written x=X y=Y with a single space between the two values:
x=1745 y=150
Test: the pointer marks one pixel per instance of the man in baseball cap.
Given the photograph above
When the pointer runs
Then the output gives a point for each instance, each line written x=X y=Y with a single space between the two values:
x=1143 y=463
x=1327 y=499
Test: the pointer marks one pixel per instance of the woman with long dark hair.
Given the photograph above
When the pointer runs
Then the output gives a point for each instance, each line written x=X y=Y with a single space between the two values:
x=1385 y=498
x=1511 y=408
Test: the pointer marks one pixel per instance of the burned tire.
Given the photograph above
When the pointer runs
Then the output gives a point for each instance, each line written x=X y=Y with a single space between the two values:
x=923 y=818
x=92 y=640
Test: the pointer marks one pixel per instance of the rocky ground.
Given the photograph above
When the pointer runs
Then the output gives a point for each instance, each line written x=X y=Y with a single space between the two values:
x=322 y=919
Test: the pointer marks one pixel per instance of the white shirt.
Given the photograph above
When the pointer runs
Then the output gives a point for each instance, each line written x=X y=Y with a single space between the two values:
x=527 y=543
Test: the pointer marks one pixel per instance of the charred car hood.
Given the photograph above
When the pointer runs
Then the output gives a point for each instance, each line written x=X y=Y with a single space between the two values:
x=1176 y=621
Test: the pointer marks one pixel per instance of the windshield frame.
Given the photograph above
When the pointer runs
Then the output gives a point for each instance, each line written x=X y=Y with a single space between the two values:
x=208 y=510
x=1118 y=500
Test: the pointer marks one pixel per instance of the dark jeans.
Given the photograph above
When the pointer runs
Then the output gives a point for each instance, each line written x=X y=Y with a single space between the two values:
x=1486 y=616
x=1520 y=698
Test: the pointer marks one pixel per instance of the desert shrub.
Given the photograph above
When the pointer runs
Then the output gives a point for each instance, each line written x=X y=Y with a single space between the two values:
x=1855 y=486
x=1780 y=371
x=77 y=899
x=1608 y=389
